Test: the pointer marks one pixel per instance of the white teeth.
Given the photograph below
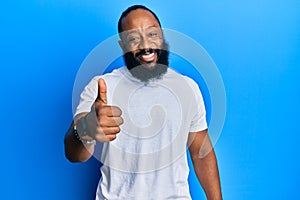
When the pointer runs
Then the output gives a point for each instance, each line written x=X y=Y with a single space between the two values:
x=148 y=55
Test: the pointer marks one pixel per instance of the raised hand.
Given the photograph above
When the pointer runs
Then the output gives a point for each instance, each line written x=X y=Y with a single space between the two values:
x=104 y=120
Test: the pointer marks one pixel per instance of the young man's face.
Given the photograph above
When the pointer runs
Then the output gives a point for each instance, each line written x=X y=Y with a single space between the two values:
x=142 y=36
x=146 y=53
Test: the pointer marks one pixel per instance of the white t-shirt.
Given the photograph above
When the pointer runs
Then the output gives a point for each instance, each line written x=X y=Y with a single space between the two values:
x=148 y=159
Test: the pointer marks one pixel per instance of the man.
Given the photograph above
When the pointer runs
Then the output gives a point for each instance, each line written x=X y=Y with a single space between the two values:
x=142 y=117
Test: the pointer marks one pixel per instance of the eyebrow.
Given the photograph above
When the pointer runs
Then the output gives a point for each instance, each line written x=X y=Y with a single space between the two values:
x=147 y=28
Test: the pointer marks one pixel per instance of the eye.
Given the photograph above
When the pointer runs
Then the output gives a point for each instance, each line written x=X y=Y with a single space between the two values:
x=133 y=39
x=153 y=34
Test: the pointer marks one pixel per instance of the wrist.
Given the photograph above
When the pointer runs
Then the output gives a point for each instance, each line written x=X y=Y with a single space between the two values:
x=81 y=132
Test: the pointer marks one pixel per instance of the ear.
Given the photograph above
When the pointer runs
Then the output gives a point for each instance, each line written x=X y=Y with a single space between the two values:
x=121 y=44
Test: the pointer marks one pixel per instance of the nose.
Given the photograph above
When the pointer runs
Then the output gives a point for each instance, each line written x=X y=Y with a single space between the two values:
x=144 y=43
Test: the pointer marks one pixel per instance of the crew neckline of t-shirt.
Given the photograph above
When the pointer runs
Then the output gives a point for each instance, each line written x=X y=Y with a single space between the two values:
x=124 y=70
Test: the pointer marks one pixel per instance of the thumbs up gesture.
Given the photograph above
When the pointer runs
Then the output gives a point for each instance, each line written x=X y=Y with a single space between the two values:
x=104 y=120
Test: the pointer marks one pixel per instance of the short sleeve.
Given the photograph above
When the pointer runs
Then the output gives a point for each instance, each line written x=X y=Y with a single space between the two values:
x=88 y=96
x=198 y=122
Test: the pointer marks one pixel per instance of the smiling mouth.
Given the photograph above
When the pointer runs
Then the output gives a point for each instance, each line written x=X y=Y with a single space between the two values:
x=147 y=58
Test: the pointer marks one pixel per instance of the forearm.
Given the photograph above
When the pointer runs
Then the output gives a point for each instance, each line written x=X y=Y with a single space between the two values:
x=205 y=164
x=75 y=150
x=206 y=169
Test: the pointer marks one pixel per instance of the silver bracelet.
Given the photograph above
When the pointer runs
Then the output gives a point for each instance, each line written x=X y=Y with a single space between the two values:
x=84 y=133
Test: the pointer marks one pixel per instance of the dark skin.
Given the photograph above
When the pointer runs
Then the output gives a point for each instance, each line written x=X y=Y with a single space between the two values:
x=104 y=130
x=205 y=164
x=104 y=120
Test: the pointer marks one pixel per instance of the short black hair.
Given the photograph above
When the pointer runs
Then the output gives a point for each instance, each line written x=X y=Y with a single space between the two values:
x=132 y=8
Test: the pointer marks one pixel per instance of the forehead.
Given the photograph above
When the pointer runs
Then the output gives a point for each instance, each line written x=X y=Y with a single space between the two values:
x=139 y=19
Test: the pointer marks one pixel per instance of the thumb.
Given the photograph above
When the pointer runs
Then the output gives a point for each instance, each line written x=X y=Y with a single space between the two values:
x=102 y=91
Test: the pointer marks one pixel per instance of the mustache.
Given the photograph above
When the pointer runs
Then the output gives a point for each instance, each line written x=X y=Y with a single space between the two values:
x=142 y=71
x=144 y=51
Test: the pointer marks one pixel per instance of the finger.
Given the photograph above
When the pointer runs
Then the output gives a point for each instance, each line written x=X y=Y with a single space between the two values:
x=110 y=121
x=111 y=137
x=110 y=111
x=111 y=130
x=102 y=91
x=105 y=138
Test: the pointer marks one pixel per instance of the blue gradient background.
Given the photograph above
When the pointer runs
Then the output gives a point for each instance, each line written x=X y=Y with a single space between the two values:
x=255 y=44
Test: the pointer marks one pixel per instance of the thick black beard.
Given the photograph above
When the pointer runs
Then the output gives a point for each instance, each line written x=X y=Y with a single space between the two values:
x=142 y=71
